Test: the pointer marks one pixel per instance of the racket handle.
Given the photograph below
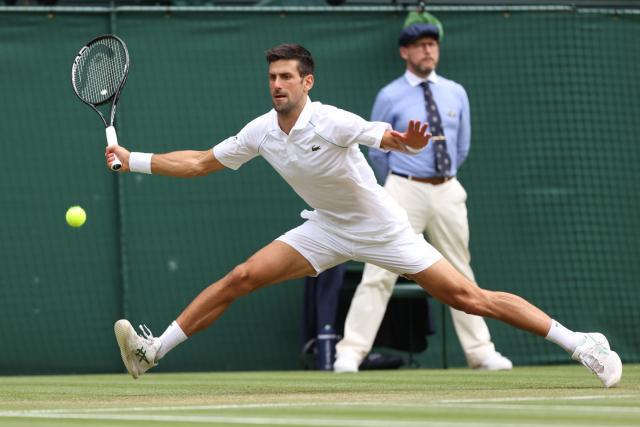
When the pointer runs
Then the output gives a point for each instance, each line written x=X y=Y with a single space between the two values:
x=112 y=140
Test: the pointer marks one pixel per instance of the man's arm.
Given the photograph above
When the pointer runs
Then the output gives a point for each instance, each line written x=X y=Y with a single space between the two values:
x=380 y=112
x=182 y=164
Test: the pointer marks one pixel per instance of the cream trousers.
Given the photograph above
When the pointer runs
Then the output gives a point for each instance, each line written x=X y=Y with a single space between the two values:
x=440 y=212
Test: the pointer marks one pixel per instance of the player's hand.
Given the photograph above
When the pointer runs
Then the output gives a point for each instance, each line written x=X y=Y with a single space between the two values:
x=415 y=138
x=121 y=152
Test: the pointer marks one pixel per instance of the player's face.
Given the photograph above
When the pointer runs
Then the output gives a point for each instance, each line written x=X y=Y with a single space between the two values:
x=421 y=56
x=288 y=89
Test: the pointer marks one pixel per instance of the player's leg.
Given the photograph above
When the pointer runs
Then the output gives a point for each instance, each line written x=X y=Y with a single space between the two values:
x=449 y=286
x=448 y=232
x=274 y=263
x=305 y=250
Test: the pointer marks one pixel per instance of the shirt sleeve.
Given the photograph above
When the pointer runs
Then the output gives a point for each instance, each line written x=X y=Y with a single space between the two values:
x=344 y=129
x=371 y=133
x=464 y=132
x=381 y=111
x=236 y=150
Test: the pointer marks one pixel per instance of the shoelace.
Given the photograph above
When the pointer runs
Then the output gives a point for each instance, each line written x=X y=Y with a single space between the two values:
x=146 y=333
x=593 y=363
x=590 y=360
x=148 y=336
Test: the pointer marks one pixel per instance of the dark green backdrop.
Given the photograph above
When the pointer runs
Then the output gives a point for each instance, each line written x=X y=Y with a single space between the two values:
x=552 y=176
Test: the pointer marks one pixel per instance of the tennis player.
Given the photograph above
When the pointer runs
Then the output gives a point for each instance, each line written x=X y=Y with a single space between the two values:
x=314 y=147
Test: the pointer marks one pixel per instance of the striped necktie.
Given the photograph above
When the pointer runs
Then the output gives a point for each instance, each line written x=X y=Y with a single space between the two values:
x=443 y=160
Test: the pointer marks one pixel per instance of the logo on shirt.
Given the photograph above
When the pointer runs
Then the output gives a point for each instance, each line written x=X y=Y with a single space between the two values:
x=451 y=114
x=315 y=148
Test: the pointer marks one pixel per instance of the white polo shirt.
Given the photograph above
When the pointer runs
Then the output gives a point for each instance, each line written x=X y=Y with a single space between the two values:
x=320 y=159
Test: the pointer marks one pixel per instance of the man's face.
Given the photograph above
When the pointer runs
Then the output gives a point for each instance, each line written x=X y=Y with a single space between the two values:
x=421 y=56
x=288 y=89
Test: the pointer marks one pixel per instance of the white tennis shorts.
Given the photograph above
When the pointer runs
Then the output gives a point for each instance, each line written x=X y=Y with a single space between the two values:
x=405 y=253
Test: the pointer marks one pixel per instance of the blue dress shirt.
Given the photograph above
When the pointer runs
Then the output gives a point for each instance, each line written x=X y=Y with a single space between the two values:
x=403 y=100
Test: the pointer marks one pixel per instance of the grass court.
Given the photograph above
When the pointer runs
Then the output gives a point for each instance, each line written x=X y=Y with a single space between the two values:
x=527 y=396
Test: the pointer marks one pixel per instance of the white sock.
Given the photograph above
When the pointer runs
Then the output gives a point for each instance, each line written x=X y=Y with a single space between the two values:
x=170 y=338
x=565 y=338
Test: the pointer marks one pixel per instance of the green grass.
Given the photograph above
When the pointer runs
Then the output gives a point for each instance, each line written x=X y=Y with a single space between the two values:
x=556 y=395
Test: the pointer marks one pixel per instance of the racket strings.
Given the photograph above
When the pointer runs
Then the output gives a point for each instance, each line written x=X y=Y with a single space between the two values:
x=100 y=71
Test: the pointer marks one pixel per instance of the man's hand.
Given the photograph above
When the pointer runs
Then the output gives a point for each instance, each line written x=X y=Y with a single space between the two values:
x=121 y=152
x=412 y=141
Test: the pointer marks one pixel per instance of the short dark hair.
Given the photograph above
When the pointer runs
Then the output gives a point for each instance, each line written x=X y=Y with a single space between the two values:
x=292 y=51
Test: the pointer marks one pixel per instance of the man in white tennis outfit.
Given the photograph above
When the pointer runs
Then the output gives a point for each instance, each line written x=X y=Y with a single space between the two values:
x=314 y=147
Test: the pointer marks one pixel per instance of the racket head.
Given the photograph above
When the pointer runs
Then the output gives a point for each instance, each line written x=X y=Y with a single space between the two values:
x=100 y=70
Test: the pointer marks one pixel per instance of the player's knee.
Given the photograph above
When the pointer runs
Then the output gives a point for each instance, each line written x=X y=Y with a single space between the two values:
x=242 y=280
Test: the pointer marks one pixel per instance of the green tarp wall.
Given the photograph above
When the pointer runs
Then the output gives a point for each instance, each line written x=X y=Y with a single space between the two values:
x=552 y=176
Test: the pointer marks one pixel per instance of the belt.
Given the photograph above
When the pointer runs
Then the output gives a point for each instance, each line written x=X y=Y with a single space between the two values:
x=434 y=180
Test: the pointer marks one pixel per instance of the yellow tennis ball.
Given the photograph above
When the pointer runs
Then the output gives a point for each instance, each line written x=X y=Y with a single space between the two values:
x=76 y=216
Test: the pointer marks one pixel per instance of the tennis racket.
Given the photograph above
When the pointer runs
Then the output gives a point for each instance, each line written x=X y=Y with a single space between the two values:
x=98 y=75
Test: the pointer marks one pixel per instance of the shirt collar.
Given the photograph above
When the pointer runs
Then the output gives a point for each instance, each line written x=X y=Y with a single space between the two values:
x=415 y=80
x=305 y=116
x=301 y=123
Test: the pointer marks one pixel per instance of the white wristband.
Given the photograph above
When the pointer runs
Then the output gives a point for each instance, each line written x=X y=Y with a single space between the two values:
x=412 y=151
x=140 y=162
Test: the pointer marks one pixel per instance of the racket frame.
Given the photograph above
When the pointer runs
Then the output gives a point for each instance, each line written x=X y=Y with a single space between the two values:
x=112 y=138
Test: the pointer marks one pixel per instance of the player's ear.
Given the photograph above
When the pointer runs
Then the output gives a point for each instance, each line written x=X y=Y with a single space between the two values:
x=307 y=82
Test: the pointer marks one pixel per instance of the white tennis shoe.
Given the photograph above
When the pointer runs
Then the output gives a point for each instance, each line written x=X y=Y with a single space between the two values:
x=346 y=362
x=138 y=352
x=596 y=355
x=495 y=362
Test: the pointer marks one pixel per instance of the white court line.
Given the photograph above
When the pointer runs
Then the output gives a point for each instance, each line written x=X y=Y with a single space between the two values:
x=564 y=408
x=292 y=421
x=436 y=403
x=442 y=402
x=535 y=399
x=472 y=404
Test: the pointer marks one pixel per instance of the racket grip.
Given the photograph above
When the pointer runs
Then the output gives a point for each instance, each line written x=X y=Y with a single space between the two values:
x=112 y=140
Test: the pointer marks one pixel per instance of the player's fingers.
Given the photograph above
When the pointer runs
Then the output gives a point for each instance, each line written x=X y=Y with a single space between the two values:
x=424 y=128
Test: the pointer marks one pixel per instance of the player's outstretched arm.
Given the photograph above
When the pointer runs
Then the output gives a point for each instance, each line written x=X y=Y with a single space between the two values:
x=412 y=141
x=182 y=164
